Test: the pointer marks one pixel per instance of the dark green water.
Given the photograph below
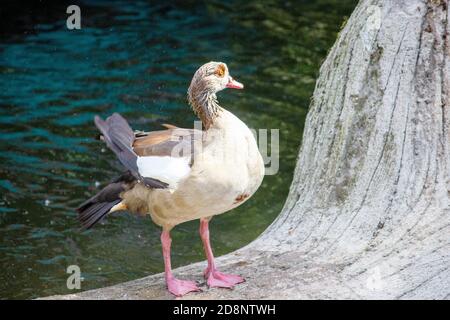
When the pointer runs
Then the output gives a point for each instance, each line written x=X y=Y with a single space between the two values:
x=137 y=58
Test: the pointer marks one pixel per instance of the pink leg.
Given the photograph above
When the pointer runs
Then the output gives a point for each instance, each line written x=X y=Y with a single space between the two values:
x=176 y=287
x=214 y=277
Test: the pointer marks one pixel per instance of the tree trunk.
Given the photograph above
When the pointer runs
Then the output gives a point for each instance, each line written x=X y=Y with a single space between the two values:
x=368 y=213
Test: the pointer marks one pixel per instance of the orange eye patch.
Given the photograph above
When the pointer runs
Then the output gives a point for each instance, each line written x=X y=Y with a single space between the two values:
x=220 y=71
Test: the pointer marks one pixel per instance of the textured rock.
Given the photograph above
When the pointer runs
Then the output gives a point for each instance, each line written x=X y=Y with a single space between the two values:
x=368 y=214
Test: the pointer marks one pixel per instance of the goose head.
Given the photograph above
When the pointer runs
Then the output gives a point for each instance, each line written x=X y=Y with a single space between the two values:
x=213 y=77
x=209 y=79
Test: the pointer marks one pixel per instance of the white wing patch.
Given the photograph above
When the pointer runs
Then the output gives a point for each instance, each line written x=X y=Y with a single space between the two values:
x=166 y=169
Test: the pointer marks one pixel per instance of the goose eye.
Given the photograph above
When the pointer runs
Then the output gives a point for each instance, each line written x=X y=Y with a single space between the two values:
x=220 y=71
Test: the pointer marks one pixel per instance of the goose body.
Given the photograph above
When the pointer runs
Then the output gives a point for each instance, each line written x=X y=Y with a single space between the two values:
x=227 y=171
x=177 y=175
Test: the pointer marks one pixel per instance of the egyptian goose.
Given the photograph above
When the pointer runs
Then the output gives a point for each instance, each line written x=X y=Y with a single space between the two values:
x=177 y=175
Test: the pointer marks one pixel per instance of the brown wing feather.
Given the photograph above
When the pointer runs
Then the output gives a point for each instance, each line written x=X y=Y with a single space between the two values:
x=169 y=126
x=173 y=142
x=151 y=138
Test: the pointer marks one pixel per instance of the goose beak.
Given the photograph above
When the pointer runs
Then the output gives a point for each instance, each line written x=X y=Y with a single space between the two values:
x=233 y=84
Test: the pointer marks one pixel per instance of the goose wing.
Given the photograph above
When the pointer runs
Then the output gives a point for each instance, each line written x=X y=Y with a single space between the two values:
x=167 y=155
x=160 y=159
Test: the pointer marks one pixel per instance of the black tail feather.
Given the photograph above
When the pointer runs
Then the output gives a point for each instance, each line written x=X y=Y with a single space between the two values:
x=96 y=208
x=95 y=213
